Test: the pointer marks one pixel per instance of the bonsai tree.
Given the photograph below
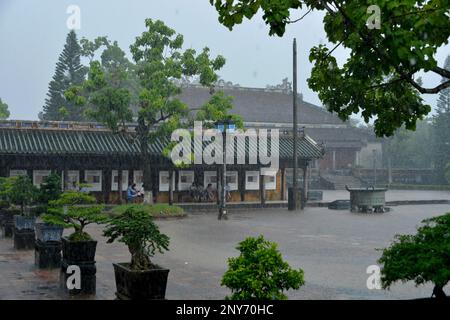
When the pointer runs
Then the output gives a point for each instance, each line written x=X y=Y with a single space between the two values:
x=136 y=229
x=20 y=191
x=75 y=209
x=259 y=272
x=50 y=188
x=422 y=257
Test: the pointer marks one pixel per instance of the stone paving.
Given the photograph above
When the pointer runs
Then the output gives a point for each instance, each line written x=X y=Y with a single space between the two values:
x=334 y=248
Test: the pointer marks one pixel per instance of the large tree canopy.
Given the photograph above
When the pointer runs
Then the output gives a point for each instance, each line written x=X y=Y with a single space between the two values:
x=118 y=91
x=380 y=77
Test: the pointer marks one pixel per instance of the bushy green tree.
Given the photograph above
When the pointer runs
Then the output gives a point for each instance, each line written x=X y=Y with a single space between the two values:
x=21 y=192
x=259 y=272
x=380 y=76
x=411 y=149
x=4 y=112
x=136 y=229
x=160 y=61
x=50 y=189
x=422 y=257
x=69 y=72
x=75 y=209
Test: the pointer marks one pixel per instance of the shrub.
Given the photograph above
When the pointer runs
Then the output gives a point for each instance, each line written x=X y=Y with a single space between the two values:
x=75 y=209
x=156 y=209
x=20 y=191
x=259 y=272
x=422 y=257
x=135 y=228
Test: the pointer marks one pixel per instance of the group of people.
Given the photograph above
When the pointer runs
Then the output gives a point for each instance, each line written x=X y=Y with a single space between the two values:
x=198 y=193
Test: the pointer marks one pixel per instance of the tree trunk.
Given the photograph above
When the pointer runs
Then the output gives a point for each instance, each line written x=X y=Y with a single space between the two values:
x=438 y=292
x=143 y=132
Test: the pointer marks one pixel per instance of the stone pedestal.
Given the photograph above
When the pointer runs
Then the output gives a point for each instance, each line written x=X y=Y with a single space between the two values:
x=87 y=274
x=24 y=239
x=47 y=255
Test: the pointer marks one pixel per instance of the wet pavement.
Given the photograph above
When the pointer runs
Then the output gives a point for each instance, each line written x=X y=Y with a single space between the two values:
x=334 y=248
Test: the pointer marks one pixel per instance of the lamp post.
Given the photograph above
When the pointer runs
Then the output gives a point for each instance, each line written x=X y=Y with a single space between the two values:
x=374 y=167
x=223 y=127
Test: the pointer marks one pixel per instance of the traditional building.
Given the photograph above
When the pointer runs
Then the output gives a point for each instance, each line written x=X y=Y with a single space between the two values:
x=109 y=163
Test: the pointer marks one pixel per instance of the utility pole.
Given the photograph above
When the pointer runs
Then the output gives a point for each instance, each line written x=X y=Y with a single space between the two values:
x=374 y=167
x=294 y=190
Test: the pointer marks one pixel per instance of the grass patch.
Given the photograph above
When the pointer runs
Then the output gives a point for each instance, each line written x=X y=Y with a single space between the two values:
x=155 y=210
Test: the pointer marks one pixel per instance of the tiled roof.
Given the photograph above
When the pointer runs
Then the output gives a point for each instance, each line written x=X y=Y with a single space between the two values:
x=32 y=141
x=259 y=105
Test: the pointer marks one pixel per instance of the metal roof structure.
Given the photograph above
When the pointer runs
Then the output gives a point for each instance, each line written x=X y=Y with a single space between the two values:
x=69 y=141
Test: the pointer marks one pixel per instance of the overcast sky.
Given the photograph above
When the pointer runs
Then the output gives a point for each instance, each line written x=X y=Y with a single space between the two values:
x=32 y=35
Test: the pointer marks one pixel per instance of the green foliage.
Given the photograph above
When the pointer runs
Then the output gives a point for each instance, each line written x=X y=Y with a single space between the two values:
x=218 y=109
x=75 y=209
x=50 y=188
x=151 y=95
x=20 y=191
x=379 y=78
x=136 y=229
x=69 y=72
x=422 y=257
x=447 y=172
x=441 y=129
x=259 y=272
x=4 y=112
x=411 y=149
x=154 y=210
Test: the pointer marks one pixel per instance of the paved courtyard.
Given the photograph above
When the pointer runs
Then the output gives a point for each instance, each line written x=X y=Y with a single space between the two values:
x=334 y=248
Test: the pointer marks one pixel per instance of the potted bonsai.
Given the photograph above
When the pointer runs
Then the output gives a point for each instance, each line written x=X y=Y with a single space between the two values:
x=22 y=192
x=76 y=209
x=139 y=279
x=50 y=191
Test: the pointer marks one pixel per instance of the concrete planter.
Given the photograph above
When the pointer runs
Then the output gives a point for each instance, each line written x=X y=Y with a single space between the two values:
x=82 y=255
x=140 y=285
x=48 y=232
x=24 y=223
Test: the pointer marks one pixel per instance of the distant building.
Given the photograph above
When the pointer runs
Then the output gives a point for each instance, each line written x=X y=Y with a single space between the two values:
x=345 y=146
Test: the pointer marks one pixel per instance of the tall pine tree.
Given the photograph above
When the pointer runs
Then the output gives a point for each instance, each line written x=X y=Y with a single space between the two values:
x=69 y=72
x=441 y=128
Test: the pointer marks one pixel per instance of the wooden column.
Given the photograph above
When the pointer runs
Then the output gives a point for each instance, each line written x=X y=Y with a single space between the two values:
x=241 y=183
x=218 y=186
x=283 y=182
x=305 y=183
x=65 y=177
x=170 y=187
x=262 y=189
x=106 y=184
x=119 y=185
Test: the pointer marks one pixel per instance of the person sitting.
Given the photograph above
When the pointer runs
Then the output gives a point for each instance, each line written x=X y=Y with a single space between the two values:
x=131 y=193
x=227 y=192
x=210 y=192
x=193 y=192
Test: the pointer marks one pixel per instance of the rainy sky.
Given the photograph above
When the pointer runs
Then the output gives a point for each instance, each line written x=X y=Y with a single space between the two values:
x=32 y=35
